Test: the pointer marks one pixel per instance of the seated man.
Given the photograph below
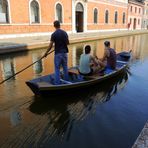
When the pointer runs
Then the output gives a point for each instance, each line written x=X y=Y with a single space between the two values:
x=88 y=64
x=109 y=58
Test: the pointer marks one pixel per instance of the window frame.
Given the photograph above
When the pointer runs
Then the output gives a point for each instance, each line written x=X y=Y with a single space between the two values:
x=7 y=17
x=95 y=19
x=62 y=12
x=106 y=22
x=39 y=13
x=116 y=17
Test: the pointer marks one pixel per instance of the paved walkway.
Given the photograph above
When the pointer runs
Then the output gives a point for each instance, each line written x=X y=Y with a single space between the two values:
x=26 y=43
x=142 y=140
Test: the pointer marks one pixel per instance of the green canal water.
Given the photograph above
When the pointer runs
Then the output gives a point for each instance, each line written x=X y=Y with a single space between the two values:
x=109 y=115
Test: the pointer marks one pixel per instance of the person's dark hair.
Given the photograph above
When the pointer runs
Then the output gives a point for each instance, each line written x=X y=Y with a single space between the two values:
x=107 y=43
x=56 y=24
x=87 y=49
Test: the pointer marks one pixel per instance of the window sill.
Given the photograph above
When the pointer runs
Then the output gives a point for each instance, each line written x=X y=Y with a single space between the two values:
x=5 y=24
x=34 y=24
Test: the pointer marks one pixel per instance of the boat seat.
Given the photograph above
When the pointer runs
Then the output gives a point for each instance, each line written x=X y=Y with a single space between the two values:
x=43 y=84
x=65 y=81
x=75 y=75
x=74 y=71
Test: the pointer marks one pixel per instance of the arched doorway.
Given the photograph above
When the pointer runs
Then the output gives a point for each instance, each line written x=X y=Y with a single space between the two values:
x=134 y=24
x=79 y=17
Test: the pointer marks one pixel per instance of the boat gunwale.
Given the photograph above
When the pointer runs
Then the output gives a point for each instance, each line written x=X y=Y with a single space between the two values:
x=83 y=83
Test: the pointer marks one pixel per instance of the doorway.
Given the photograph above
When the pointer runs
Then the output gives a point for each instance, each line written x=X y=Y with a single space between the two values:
x=134 y=24
x=79 y=17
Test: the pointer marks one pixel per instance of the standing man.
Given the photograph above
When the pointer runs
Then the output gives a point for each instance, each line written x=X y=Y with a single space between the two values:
x=60 y=40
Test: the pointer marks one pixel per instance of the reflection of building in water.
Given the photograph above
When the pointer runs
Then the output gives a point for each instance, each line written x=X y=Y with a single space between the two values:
x=76 y=53
x=74 y=61
x=38 y=67
x=141 y=45
x=15 y=117
x=126 y=43
x=136 y=46
x=8 y=68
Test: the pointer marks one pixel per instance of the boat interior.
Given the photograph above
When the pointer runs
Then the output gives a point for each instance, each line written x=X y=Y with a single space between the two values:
x=74 y=76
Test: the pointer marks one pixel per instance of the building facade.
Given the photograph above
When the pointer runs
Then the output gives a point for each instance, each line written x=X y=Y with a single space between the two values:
x=145 y=15
x=37 y=16
x=135 y=14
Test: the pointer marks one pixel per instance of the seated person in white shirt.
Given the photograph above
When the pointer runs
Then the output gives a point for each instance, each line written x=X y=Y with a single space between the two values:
x=89 y=64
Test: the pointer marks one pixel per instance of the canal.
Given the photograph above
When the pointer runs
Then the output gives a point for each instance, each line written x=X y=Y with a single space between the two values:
x=110 y=115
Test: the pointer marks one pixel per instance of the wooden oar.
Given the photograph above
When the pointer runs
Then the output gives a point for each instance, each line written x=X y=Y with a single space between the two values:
x=24 y=68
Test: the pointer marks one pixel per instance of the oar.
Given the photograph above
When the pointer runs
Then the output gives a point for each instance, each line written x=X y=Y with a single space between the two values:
x=24 y=69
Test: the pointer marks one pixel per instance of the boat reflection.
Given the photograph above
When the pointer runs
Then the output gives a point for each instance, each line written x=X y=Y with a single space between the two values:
x=64 y=112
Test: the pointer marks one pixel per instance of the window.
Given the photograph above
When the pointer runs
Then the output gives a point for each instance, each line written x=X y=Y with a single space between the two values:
x=106 y=16
x=59 y=13
x=139 y=10
x=131 y=8
x=135 y=9
x=34 y=12
x=123 y=19
x=138 y=21
x=130 y=20
x=116 y=17
x=95 y=16
x=4 y=12
x=147 y=11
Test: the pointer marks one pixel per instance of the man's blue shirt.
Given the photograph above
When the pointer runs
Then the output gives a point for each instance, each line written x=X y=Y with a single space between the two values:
x=60 y=38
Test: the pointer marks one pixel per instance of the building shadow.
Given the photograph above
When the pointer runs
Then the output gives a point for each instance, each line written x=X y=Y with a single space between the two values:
x=10 y=47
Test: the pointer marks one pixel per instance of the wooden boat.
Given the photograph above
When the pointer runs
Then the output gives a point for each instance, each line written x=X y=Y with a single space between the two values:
x=44 y=85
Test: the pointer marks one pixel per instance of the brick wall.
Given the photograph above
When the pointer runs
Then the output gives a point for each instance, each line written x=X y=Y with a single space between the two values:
x=101 y=17
x=20 y=16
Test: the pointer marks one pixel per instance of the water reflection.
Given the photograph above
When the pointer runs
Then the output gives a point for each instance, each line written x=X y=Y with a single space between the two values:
x=64 y=112
x=38 y=67
x=8 y=68
x=35 y=124
x=15 y=116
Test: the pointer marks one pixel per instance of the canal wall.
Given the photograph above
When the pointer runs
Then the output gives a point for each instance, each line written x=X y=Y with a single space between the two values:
x=142 y=140
x=29 y=43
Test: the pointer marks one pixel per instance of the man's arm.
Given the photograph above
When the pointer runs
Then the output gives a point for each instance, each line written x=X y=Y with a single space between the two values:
x=96 y=61
x=105 y=55
x=67 y=39
x=49 y=48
